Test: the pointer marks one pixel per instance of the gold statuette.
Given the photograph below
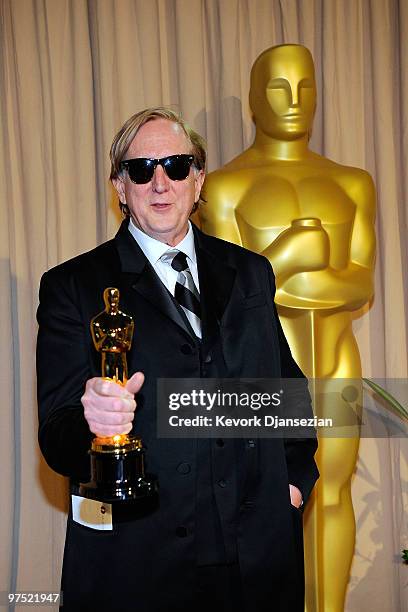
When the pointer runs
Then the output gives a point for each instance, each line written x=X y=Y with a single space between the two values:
x=117 y=462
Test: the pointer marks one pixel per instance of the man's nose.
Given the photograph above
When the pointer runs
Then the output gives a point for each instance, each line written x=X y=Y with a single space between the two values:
x=160 y=180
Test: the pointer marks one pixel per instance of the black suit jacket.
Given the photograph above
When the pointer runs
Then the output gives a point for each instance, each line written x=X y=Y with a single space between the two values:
x=151 y=559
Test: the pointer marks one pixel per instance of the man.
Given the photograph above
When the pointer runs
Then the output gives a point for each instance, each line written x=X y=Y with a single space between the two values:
x=227 y=532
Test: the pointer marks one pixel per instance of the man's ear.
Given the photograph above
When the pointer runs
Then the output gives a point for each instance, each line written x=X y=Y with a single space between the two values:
x=198 y=183
x=119 y=185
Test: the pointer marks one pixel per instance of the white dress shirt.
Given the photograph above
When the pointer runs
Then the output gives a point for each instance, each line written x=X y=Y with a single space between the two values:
x=154 y=249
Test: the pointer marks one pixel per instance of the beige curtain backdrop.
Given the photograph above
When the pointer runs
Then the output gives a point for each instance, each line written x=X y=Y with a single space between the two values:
x=71 y=71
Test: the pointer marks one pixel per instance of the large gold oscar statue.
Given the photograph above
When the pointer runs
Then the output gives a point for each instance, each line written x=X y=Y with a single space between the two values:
x=314 y=220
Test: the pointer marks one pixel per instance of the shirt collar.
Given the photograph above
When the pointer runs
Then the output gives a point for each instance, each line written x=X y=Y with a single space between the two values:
x=154 y=249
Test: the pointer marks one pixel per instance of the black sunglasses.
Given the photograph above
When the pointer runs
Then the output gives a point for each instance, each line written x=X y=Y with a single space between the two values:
x=141 y=169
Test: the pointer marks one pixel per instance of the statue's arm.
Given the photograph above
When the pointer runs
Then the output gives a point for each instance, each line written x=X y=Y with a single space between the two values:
x=351 y=287
x=356 y=282
x=363 y=242
x=217 y=213
x=300 y=248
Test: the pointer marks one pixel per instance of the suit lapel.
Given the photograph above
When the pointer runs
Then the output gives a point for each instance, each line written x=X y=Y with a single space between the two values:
x=138 y=275
x=216 y=283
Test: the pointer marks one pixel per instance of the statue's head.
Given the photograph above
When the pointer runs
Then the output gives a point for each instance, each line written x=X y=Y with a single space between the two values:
x=283 y=92
x=111 y=298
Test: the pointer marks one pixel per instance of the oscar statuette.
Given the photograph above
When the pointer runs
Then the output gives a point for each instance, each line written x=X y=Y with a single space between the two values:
x=117 y=462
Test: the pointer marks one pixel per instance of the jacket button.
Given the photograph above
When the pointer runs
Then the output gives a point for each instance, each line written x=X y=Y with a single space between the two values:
x=183 y=468
x=186 y=349
x=220 y=442
x=181 y=531
x=208 y=359
x=222 y=483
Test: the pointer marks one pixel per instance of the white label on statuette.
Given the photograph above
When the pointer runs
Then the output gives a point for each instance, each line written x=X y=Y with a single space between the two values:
x=91 y=513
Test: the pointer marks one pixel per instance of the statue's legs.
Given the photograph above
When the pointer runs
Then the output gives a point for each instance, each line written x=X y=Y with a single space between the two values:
x=335 y=524
x=329 y=518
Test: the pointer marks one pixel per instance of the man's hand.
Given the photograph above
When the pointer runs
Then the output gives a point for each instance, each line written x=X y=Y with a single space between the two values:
x=109 y=408
x=295 y=496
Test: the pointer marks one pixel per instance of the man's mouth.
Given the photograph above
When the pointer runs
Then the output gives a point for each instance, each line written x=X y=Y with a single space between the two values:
x=160 y=205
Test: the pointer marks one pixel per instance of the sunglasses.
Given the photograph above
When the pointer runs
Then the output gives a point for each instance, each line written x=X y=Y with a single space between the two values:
x=141 y=169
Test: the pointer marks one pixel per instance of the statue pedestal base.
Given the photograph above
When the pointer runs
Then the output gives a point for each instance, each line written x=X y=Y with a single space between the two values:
x=117 y=471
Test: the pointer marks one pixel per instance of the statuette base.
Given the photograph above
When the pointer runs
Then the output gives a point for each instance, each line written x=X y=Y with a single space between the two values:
x=117 y=471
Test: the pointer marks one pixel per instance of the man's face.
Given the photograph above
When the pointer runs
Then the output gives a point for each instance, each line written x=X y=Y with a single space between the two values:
x=161 y=207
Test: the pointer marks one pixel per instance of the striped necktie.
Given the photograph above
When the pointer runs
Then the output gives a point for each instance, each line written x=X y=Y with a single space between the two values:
x=185 y=291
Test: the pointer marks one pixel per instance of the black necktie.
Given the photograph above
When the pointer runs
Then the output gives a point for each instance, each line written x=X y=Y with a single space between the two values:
x=185 y=291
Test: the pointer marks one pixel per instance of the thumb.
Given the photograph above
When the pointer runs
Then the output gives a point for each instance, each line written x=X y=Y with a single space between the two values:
x=134 y=383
